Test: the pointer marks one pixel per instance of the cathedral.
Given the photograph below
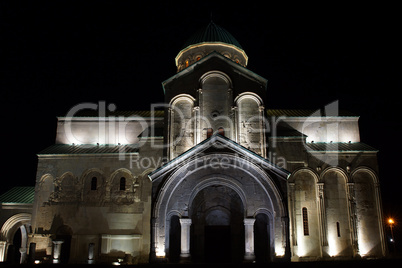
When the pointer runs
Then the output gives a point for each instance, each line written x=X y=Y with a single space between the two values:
x=210 y=175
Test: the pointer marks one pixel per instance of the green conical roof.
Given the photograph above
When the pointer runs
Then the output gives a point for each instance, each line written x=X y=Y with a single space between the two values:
x=212 y=33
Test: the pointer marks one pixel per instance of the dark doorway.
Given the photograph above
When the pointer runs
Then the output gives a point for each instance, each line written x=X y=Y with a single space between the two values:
x=217 y=243
x=174 y=239
x=65 y=248
x=17 y=245
x=64 y=233
x=261 y=239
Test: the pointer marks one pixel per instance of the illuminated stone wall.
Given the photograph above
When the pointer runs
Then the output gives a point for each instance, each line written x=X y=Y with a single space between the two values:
x=341 y=203
x=113 y=214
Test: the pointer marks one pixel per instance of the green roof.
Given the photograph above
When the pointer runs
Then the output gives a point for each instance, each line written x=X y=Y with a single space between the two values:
x=21 y=195
x=89 y=149
x=212 y=33
x=94 y=113
x=340 y=147
x=304 y=113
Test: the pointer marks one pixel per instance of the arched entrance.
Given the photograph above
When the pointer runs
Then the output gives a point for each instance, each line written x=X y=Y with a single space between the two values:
x=14 y=238
x=217 y=233
x=216 y=205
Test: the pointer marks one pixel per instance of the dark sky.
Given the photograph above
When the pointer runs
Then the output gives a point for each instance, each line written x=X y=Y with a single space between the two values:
x=57 y=54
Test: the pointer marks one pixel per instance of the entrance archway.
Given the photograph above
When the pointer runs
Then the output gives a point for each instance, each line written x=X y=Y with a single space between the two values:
x=217 y=233
x=200 y=192
x=14 y=233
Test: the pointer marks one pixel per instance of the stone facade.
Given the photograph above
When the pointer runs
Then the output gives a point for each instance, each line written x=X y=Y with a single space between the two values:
x=214 y=177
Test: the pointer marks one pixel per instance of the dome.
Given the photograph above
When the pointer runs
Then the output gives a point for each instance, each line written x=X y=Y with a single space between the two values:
x=211 y=39
x=212 y=33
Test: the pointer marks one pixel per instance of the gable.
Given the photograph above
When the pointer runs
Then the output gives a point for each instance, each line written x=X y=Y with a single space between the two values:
x=221 y=145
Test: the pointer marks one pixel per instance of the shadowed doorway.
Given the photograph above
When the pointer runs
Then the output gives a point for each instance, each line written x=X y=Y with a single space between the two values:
x=261 y=239
x=217 y=243
x=217 y=230
x=64 y=233
x=174 y=239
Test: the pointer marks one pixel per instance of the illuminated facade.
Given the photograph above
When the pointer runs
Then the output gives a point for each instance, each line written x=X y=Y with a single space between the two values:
x=214 y=177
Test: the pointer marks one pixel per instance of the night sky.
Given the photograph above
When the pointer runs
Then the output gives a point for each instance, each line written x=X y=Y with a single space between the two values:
x=57 y=54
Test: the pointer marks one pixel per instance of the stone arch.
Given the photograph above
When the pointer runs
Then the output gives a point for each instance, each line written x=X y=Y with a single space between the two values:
x=126 y=195
x=89 y=194
x=250 y=118
x=66 y=188
x=181 y=128
x=215 y=98
x=20 y=221
x=368 y=211
x=249 y=95
x=303 y=196
x=295 y=173
x=339 y=170
x=117 y=174
x=372 y=174
x=12 y=224
x=224 y=181
x=336 y=200
x=46 y=189
x=182 y=186
x=216 y=74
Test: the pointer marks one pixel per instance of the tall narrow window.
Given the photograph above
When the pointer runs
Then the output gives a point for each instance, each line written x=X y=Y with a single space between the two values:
x=122 y=184
x=305 y=221
x=210 y=131
x=338 y=229
x=187 y=63
x=94 y=183
x=221 y=131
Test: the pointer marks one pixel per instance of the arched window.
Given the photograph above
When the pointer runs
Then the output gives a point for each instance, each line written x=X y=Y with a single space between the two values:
x=221 y=131
x=338 y=229
x=305 y=221
x=94 y=183
x=122 y=184
x=210 y=131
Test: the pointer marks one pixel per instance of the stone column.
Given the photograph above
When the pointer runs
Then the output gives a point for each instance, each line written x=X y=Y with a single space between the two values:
x=235 y=131
x=185 y=238
x=353 y=217
x=91 y=251
x=57 y=250
x=197 y=126
x=261 y=109
x=249 y=239
x=3 y=246
x=23 y=251
x=32 y=252
x=323 y=219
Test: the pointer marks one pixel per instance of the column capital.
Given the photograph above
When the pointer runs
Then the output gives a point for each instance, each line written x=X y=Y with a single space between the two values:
x=185 y=221
x=249 y=221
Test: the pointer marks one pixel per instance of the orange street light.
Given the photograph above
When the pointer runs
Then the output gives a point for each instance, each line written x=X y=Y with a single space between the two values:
x=391 y=223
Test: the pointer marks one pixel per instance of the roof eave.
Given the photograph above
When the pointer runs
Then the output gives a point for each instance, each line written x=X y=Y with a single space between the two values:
x=241 y=51
x=189 y=69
